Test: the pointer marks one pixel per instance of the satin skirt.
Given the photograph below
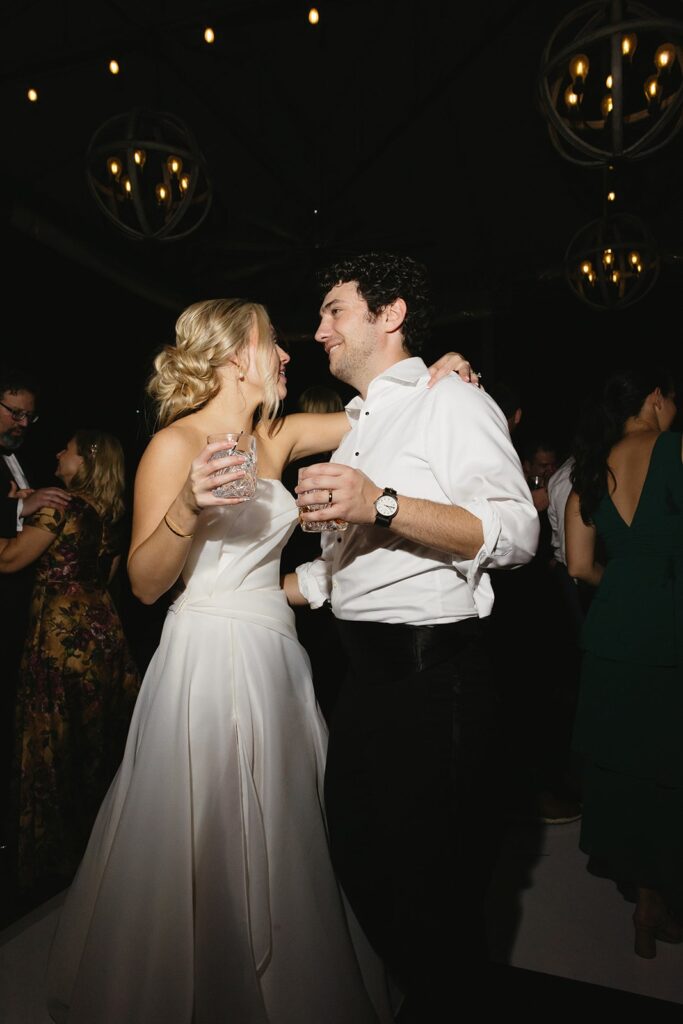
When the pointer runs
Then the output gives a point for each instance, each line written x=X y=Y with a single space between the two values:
x=207 y=894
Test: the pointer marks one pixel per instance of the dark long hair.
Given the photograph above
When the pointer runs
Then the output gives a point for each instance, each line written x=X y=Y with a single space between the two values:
x=602 y=426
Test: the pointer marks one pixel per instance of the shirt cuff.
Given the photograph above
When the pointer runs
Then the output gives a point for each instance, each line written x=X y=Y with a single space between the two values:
x=314 y=582
x=20 y=514
x=491 y=527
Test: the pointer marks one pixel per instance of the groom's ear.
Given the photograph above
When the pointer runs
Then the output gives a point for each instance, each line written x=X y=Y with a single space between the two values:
x=394 y=315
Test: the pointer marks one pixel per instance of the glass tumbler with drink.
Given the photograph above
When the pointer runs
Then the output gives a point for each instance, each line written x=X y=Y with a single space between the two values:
x=320 y=526
x=231 y=486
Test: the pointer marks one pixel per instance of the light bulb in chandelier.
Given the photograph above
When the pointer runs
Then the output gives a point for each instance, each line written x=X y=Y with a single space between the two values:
x=114 y=166
x=162 y=193
x=174 y=164
x=665 y=56
x=629 y=43
x=607 y=104
x=572 y=98
x=652 y=89
x=32 y=95
x=140 y=157
x=578 y=66
x=126 y=185
x=184 y=182
x=209 y=35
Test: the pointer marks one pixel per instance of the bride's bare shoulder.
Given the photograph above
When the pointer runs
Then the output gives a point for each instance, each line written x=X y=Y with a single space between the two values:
x=181 y=439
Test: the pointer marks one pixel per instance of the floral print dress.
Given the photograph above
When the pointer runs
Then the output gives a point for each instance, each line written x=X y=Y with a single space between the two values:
x=77 y=689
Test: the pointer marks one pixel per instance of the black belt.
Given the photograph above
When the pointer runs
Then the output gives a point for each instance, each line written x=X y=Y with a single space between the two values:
x=399 y=647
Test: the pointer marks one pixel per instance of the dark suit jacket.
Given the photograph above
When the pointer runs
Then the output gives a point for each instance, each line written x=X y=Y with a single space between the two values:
x=15 y=587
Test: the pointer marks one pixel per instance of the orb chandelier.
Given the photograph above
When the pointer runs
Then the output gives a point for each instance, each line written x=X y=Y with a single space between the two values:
x=148 y=176
x=611 y=82
x=612 y=262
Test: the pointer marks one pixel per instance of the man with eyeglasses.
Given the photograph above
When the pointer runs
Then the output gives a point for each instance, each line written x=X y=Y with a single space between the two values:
x=17 y=413
x=17 y=500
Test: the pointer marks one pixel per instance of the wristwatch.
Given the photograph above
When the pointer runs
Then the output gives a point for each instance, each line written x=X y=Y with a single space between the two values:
x=386 y=507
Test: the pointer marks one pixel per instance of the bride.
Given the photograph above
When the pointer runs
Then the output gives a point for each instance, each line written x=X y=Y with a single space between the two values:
x=206 y=893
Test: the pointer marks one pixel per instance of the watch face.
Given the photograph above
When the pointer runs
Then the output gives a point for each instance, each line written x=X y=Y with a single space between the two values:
x=386 y=505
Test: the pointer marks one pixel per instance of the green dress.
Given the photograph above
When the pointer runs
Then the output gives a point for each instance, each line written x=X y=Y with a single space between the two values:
x=77 y=690
x=629 y=726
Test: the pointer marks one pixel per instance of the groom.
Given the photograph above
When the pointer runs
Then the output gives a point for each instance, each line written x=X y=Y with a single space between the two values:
x=435 y=495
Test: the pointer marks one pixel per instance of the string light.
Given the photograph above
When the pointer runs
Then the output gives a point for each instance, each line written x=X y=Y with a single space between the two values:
x=313 y=16
x=32 y=94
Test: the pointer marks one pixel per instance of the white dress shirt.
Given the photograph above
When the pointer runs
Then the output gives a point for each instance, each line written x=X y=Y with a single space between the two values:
x=12 y=463
x=448 y=444
x=559 y=489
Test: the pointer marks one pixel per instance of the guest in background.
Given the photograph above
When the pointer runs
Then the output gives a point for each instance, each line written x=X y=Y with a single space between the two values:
x=319 y=398
x=628 y=490
x=77 y=681
x=539 y=460
x=532 y=644
x=18 y=397
x=506 y=395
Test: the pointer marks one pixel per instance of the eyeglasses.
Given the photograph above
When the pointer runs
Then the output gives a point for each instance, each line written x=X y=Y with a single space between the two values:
x=20 y=414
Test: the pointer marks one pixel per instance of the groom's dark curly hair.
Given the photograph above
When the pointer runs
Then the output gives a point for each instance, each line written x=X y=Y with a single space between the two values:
x=381 y=278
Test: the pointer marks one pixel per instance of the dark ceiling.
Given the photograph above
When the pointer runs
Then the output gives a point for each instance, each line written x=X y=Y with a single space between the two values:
x=408 y=126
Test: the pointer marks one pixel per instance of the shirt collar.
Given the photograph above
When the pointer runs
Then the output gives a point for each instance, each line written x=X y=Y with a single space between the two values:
x=407 y=372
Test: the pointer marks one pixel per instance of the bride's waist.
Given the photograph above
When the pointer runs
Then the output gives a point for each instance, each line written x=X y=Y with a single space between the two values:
x=266 y=607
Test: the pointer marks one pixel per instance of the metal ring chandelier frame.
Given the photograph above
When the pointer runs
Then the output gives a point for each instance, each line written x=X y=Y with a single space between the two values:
x=660 y=120
x=146 y=144
x=612 y=262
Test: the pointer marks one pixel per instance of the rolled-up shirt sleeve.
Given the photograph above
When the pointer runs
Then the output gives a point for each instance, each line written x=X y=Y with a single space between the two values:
x=315 y=581
x=478 y=469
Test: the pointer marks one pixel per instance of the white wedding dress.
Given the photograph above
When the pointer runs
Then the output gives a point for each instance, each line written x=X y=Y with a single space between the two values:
x=206 y=894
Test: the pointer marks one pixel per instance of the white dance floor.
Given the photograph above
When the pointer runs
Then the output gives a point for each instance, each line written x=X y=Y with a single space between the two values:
x=547 y=914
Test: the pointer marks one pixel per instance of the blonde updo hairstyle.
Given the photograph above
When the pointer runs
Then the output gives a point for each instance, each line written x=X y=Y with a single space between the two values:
x=101 y=477
x=210 y=334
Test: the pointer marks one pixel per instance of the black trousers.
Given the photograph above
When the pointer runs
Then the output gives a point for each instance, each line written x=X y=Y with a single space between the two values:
x=410 y=791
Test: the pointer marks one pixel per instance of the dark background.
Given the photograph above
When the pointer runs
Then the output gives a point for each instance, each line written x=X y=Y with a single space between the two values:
x=408 y=126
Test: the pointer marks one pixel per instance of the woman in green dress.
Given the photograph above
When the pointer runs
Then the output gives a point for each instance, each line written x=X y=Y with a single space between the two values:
x=77 y=681
x=628 y=491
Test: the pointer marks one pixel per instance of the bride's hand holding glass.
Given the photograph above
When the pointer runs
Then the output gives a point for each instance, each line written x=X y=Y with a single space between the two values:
x=202 y=485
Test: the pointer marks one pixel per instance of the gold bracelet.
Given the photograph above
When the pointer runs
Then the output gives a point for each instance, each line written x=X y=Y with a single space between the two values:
x=173 y=527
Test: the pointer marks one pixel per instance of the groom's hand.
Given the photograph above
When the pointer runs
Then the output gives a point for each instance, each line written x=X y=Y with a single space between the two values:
x=347 y=493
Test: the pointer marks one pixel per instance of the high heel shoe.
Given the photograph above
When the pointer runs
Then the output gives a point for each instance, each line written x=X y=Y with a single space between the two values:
x=666 y=930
